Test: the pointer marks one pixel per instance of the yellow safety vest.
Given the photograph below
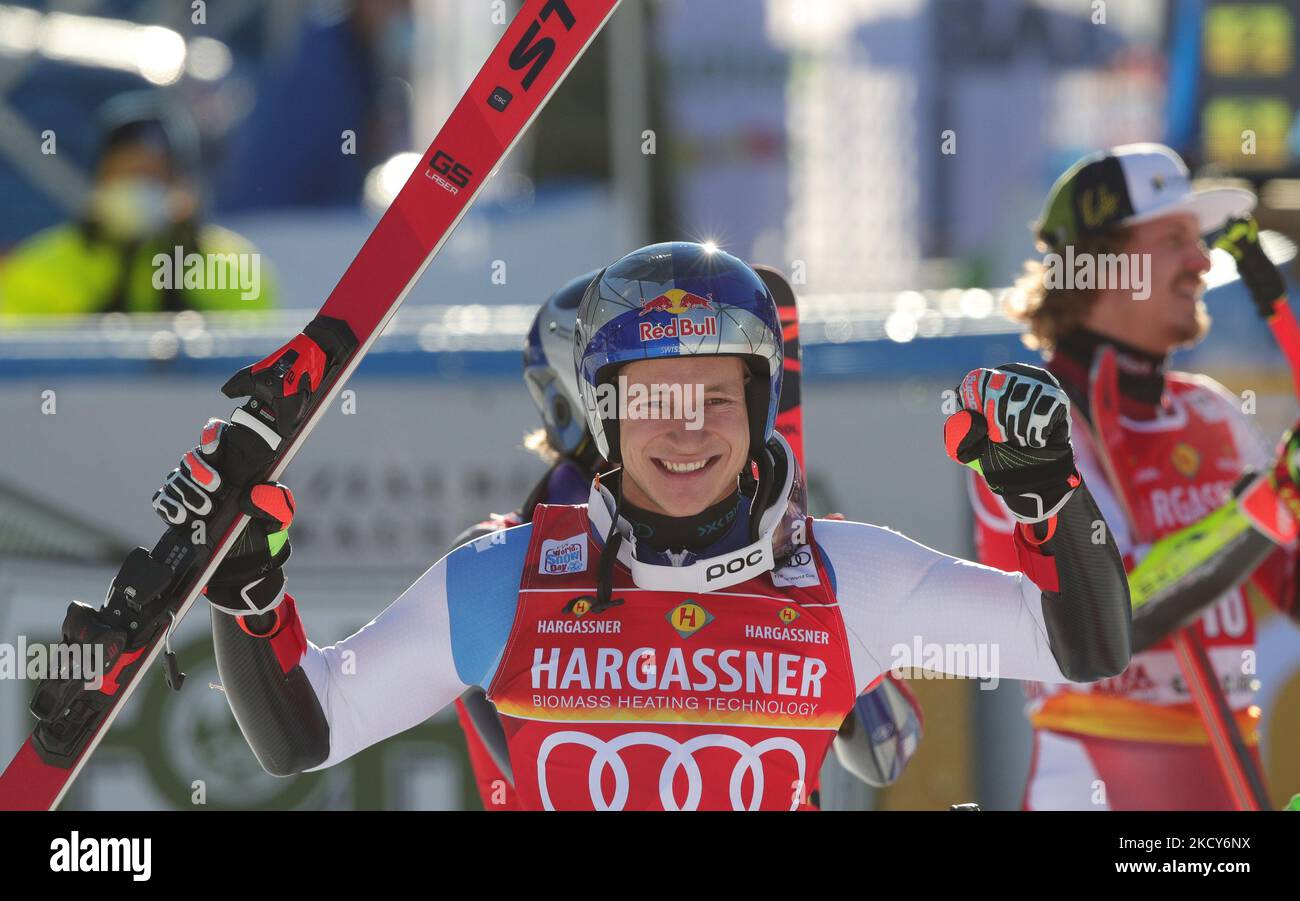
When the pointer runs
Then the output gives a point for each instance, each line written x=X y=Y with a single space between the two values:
x=61 y=271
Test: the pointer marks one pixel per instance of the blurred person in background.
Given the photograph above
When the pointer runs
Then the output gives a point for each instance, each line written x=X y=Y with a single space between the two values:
x=140 y=245
x=346 y=75
x=1192 y=472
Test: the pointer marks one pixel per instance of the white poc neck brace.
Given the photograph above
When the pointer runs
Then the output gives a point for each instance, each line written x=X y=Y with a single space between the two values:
x=709 y=574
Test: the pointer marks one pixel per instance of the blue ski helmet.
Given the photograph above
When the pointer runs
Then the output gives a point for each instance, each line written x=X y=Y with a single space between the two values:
x=678 y=299
x=548 y=368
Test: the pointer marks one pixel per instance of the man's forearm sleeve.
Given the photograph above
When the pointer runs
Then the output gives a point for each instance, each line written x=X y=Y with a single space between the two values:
x=261 y=672
x=1078 y=569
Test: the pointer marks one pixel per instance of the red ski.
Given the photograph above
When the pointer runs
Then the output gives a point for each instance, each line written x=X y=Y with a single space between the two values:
x=789 y=416
x=290 y=390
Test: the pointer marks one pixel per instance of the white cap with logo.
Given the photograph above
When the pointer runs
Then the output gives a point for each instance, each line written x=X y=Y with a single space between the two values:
x=1129 y=184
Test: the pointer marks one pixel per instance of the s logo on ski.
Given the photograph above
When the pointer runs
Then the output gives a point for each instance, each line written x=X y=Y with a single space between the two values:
x=535 y=56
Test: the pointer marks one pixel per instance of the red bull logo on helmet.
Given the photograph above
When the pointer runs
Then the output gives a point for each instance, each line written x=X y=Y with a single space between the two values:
x=677 y=301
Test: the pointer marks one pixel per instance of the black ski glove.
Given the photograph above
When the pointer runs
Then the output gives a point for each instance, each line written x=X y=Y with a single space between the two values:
x=1014 y=429
x=1241 y=239
x=250 y=580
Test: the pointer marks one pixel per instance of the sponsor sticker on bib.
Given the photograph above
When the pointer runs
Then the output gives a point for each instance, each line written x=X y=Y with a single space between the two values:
x=800 y=571
x=564 y=555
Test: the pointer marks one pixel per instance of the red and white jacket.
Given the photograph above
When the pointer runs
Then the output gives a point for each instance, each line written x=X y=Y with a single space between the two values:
x=1184 y=462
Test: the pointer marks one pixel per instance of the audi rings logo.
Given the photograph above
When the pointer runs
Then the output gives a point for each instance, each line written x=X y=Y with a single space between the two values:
x=800 y=558
x=681 y=756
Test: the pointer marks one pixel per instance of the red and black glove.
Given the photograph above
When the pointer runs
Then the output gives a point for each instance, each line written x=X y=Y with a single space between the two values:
x=1014 y=429
x=250 y=579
